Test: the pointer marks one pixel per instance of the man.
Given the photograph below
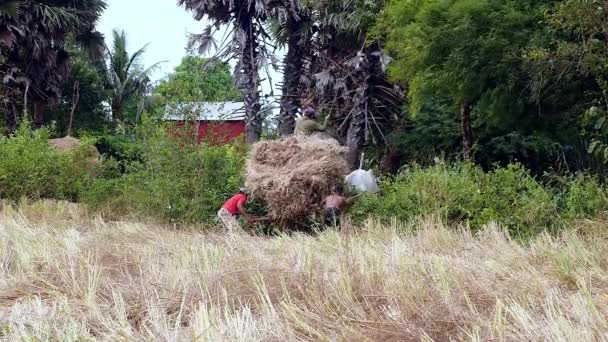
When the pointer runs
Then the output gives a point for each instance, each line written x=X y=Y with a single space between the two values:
x=335 y=205
x=234 y=207
x=306 y=124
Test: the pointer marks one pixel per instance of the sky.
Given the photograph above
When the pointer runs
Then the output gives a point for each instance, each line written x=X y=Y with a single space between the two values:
x=161 y=24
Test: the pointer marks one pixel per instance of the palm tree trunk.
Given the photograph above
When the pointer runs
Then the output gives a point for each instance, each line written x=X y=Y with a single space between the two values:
x=116 y=111
x=39 y=107
x=250 y=82
x=357 y=130
x=467 y=131
x=11 y=117
x=293 y=63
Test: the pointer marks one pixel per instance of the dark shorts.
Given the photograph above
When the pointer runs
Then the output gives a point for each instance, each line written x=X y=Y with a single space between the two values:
x=332 y=216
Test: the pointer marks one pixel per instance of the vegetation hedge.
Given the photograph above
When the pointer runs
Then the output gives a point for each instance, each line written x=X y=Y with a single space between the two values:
x=31 y=168
x=172 y=179
x=462 y=192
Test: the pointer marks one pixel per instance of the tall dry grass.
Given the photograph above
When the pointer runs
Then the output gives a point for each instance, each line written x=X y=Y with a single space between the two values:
x=65 y=276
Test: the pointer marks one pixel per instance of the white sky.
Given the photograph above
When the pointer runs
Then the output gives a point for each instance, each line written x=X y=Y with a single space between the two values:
x=163 y=25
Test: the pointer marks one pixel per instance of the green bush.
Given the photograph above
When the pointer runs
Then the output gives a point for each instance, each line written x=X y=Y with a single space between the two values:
x=448 y=192
x=584 y=197
x=123 y=149
x=174 y=179
x=514 y=198
x=31 y=168
x=169 y=177
x=464 y=193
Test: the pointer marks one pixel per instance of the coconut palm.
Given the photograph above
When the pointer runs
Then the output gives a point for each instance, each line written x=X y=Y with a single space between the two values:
x=127 y=78
x=344 y=73
x=294 y=32
x=32 y=46
x=246 y=42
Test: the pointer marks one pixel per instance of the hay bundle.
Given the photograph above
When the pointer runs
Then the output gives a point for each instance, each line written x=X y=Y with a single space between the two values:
x=65 y=143
x=294 y=174
x=69 y=143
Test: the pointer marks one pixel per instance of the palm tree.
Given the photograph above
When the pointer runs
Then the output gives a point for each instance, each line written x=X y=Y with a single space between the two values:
x=246 y=43
x=294 y=32
x=344 y=73
x=32 y=48
x=126 y=77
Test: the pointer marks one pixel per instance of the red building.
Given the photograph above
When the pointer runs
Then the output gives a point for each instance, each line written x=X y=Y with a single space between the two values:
x=221 y=122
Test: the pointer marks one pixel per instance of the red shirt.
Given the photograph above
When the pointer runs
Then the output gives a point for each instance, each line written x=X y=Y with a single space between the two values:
x=232 y=204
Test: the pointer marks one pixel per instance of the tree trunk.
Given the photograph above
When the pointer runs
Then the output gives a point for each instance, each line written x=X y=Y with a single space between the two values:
x=11 y=117
x=357 y=130
x=467 y=131
x=391 y=161
x=250 y=81
x=293 y=63
x=116 y=111
x=39 y=107
x=354 y=139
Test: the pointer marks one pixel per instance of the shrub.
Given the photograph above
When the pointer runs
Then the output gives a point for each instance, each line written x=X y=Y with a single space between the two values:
x=440 y=190
x=123 y=149
x=31 y=168
x=174 y=179
x=514 y=198
x=583 y=197
x=464 y=193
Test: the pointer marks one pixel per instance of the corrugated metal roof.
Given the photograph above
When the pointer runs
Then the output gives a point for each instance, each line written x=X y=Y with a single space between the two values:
x=206 y=111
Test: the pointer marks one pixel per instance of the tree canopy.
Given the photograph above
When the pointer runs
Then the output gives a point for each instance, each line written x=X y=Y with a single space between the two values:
x=35 y=64
x=195 y=80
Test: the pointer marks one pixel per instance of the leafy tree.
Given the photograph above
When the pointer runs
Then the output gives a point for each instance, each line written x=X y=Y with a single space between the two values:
x=33 y=50
x=196 y=81
x=128 y=79
x=570 y=67
x=466 y=50
x=85 y=93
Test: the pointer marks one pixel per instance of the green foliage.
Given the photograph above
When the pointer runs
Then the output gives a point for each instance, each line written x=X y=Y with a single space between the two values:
x=31 y=168
x=584 y=197
x=448 y=192
x=193 y=81
x=34 y=52
x=173 y=179
x=127 y=79
x=125 y=150
x=567 y=66
x=89 y=113
x=464 y=193
x=445 y=47
x=513 y=197
x=527 y=67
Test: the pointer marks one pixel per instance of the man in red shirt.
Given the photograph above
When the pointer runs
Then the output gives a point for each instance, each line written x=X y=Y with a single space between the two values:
x=234 y=207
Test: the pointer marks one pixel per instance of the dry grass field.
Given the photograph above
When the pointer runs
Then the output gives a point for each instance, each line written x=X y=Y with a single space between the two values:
x=68 y=277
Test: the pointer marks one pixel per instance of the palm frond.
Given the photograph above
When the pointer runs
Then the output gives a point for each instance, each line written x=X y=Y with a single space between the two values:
x=204 y=42
x=136 y=57
x=10 y=8
x=92 y=42
x=58 y=18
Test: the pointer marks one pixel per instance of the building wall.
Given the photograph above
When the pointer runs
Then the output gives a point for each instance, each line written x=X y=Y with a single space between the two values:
x=217 y=132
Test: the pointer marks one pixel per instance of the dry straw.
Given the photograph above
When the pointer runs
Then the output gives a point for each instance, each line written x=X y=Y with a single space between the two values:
x=66 y=277
x=294 y=174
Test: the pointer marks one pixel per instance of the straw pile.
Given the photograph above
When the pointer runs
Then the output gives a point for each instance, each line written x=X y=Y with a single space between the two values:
x=293 y=175
x=69 y=143
x=65 y=143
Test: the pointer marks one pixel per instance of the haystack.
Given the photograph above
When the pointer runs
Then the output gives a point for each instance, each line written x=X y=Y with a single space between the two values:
x=294 y=174
x=65 y=143
x=69 y=143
